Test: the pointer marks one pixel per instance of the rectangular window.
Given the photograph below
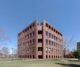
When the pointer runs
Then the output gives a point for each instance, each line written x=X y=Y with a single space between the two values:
x=46 y=33
x=49 y=35
x=46 y=49
x=52 y=35
x=33 y=41
x=52 y=42
x=30 y=34
x=39 y=32
x=46 y=42
x=33 y=33
x=39 y=40
x=40 y=56
x=49 y=42
x=40 y=49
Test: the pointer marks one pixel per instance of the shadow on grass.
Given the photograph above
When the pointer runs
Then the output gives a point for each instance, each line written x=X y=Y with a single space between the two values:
x=68 y=65
x=74 y=60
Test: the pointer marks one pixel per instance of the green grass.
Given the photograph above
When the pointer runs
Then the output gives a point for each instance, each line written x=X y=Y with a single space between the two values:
x=36 y=63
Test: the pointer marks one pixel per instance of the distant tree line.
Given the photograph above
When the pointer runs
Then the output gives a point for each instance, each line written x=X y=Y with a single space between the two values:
x=5 y=53
x=76 y=53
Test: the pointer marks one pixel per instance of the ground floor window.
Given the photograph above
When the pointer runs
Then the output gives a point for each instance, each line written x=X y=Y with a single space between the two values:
x=40 y=56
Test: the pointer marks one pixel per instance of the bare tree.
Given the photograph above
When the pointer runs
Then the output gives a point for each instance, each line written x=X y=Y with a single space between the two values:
x=0 y=53
x=14 y=52
x=5 y=52
x=67 y=44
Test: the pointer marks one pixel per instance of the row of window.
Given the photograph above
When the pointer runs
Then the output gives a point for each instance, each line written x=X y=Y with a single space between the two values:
x=29 y=28
x=52 y=36
x=31 y=34
x=27 y=49
x=40 y=49
x=30 y=42
x=50 y=50
x=49 y=56
x=33 y=49
x=47 y=25
x=28 y=36
x=27 y=56
x=49 y=42
x=30 y=50
x=40 y=57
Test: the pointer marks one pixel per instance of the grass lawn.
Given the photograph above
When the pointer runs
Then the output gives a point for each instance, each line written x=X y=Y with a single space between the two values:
x=38 y=63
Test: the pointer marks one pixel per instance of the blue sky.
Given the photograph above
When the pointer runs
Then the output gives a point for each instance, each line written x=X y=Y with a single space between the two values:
x=64 y=15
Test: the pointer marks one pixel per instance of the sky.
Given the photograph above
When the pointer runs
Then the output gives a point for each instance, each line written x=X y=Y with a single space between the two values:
x=15 y=15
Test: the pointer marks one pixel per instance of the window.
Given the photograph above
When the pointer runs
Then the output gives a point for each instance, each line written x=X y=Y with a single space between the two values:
x=30 y=41
x=46 y=49
x=49 y=56
x=49 y=50
x=49 y=42
x=46 y=33
x=40 y=49
x=28 y=35
x=56 y=38
x=40 y=56
x=46 y=56
x=39 y=32
x=49 y=35
x=33 y=33
x=46 y=42
x=52 y=35
x=52 y=50
x=40 y=40
x=54 y=44
x=33 y=41
x=33 y=57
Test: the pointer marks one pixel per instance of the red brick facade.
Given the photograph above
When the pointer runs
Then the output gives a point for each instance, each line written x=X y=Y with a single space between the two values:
x=40 y=41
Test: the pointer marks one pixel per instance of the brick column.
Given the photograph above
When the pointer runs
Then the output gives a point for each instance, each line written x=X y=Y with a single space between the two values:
x=44 y=46
x=36 y=39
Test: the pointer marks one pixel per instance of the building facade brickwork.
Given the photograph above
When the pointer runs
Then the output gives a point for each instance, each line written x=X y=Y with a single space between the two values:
x=40 y=41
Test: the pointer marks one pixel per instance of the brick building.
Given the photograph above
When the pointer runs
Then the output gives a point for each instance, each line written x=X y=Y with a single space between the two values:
x=78 y=45
x=40 y=41
x=78 y=48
